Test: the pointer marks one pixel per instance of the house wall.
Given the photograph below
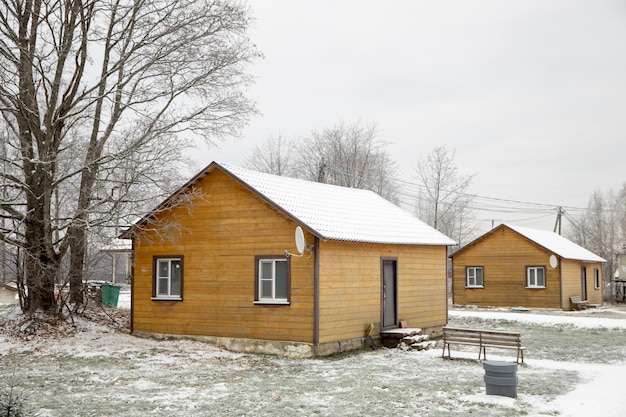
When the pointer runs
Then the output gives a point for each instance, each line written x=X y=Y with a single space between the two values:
x=504 y=256
x=219 y=236
x=572 y=282
x=350 y=287
x=8 y=296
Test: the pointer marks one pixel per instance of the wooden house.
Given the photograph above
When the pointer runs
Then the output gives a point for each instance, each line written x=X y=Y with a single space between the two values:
x=515 y=266
x=224 y=265
x=8 y=292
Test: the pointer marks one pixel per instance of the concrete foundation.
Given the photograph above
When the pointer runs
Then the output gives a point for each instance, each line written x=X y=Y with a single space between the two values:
x=270 y=347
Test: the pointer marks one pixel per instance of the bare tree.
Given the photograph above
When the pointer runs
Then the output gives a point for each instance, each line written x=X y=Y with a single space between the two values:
x=601 y=230
x=621 y=214
x=95 y=95
x=350 y=155
x=275 y=156
x=444 y=200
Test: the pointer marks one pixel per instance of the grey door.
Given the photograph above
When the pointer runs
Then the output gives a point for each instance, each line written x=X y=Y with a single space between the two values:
x=583 y=283
x=390 y=293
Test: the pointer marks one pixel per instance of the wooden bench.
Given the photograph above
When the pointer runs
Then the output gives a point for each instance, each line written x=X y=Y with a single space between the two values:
x=577 y=303
x=483 y=339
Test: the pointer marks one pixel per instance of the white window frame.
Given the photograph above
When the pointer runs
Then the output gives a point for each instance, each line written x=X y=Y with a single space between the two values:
x=470 y=275
x=596 y=278
x=168 y=295
x=260 y=298
x=532 y=270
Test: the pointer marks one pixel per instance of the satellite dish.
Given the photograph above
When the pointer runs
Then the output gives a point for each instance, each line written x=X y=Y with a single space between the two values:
x=553 y=262
x=300 y=242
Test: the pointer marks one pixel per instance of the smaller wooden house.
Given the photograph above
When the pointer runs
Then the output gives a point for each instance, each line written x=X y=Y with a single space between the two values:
x=513 y=266
x=120 y=251
x=8 y=292
x=224 y=266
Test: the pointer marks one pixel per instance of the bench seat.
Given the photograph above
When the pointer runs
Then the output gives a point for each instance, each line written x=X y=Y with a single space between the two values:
x=577 y=303
x=483 y=339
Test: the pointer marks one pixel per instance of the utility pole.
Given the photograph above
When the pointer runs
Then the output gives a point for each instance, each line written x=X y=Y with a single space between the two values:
x=321 y=174
x=558 y=219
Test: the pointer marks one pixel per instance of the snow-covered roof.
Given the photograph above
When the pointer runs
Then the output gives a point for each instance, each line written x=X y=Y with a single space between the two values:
x=10 y=285
x=338 y=213
x=557 y=244
x=118 y=245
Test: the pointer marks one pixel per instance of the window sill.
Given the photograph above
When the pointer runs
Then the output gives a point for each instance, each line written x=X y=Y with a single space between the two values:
x=166 y=299
x=272 y=302
x=535 y=288
x=474 y=286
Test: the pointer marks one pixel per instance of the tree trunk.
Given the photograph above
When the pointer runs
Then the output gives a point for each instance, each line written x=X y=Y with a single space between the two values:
x=77 y=232
x=77 y=261
x=41 y=263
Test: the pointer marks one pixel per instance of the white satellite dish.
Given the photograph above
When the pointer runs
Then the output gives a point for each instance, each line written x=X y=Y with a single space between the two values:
x=553 y=261
x=300 y=242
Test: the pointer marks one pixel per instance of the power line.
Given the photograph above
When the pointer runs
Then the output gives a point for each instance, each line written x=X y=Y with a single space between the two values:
x=409 y=194
x=497 y=204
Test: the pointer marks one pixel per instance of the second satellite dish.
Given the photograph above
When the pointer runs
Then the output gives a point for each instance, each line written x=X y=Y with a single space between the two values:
x=553 y=261
x=300 y=242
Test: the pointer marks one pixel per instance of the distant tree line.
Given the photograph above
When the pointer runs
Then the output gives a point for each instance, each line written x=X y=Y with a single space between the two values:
x=602 y=230
x=354 y=155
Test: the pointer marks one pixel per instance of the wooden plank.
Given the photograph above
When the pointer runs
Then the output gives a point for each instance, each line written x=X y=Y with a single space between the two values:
x=482 y=339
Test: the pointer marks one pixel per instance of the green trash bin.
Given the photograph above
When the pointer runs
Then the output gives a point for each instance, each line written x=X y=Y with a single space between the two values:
x=110 y=294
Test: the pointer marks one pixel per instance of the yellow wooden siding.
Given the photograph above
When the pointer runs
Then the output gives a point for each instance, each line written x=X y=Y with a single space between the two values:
x=573 y=285
x=219 y=237
x=350 y=287
x=504 y=256
x=594 y=295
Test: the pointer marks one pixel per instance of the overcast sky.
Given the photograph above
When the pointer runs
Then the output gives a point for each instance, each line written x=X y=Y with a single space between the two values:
x=531 y=95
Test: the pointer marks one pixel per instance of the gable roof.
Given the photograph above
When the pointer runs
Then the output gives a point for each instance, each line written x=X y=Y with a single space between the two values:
x=557 y=244
x=331 y=212
x=10 y=285
x=118 y=245
x=551 y=241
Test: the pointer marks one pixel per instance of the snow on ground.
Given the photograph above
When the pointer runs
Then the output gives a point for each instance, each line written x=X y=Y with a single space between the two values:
x=584 y=322
x=103 y=370
x=123 y=300
x=601 y=392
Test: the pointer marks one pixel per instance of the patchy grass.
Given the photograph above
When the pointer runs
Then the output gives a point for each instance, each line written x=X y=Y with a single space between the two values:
x=96 y=369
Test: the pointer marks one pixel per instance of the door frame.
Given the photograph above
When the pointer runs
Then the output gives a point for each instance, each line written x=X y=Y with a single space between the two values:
x=385 y=292
x=583 y=283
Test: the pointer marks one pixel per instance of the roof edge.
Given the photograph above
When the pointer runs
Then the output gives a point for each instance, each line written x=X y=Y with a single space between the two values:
x=270 y=201
x=128 y=233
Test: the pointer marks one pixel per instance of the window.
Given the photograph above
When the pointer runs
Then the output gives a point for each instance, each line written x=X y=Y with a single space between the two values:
x=272 y=280
x=535 y=277
x=474 y=276
x=168 y=278
x=596 y=279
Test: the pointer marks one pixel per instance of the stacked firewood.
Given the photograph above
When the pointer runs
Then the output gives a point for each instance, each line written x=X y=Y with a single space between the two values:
x=408 y=339
x=416 y=342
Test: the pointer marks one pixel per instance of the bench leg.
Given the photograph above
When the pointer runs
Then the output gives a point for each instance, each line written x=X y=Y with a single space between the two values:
x=443 y=353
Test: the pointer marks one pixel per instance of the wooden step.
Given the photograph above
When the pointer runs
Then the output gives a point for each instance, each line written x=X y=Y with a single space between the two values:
x=418 y=338
x=393 y=337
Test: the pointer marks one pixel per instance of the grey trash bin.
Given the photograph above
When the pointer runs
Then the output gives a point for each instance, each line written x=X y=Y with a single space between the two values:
x=501 y=378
